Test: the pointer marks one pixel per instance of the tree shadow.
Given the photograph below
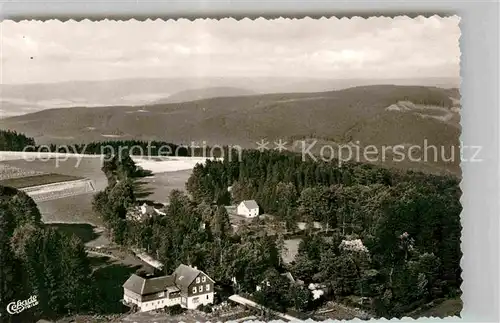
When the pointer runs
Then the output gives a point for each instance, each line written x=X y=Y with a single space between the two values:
x=141 y=189
x=84 y=231
x=108 y=280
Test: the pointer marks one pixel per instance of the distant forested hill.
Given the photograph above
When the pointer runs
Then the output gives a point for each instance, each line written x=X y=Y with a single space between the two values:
x=205 y=93
x=380 y=115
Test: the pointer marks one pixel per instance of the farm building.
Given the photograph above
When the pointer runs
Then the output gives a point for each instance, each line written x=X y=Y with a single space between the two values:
x=248 y=209
x=187 y=287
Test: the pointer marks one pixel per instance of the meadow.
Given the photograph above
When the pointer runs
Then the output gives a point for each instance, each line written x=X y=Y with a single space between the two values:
x=37 y=180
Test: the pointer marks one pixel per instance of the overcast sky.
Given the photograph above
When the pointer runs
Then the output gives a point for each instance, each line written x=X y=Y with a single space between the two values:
x=400 y=47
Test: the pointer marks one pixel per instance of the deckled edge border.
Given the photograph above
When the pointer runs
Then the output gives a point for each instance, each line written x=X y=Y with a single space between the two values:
x=344 y=16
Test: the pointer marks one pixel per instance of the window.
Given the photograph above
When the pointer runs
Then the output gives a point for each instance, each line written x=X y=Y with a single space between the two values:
x=194 y=290
x=200 y=289
x=197 y=280
x=207 y=296
x=203 y=279
x=207 y=287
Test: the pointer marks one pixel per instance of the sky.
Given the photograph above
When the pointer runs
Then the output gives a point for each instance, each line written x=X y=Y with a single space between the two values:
x=401 y=47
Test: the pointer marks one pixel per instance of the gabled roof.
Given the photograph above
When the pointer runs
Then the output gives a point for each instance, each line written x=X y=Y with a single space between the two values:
x=185 y=275
x=182 y=277
x=250 y=204
x=135 y=284
x=289 y=276
x=158 y=284
x=145 y=286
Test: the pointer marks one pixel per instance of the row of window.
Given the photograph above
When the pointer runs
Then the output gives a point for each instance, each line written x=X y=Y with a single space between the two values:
x=197 y=299
x=203 y=279
x=157 y=303
x=200 y=289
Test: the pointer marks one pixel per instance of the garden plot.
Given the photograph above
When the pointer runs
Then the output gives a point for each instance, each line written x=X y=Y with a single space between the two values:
x=87 y=167
x=37 y=180
x=8 y=172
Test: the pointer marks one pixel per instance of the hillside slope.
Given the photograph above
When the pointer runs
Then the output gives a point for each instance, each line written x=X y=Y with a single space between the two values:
x=18 y=99
x=373 y=115
x=205 y=93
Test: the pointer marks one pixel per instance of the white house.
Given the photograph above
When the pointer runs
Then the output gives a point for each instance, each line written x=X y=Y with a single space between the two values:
x=187 y=287
x=248 y=208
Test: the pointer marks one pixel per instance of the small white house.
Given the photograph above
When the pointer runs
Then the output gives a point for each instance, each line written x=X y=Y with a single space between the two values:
x=248 y=209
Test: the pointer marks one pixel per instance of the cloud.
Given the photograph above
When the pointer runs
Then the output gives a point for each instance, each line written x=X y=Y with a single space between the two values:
x=34 y=51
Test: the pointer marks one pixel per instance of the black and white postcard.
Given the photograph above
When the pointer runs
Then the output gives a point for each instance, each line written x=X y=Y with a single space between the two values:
x=230 y=170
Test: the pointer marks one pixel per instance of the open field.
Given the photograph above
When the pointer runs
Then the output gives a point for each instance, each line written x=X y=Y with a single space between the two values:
x=37 y=180
x=168 y=164
x=158 y=187
x=290 y=250
x=10 y=172
x=448 y=307
x=73 y=209
x=17 y=155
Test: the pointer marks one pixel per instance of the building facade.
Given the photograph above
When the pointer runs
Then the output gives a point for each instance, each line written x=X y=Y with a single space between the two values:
x=187 y=287
x=248 y=209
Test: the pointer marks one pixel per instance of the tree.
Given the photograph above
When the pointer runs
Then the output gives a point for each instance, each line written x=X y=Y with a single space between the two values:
x=274 y=291
x=57 y=269
x=318 y=204
x=11 y=278
x=300 y=297
x=221 y=224
x=286 y=197
x=24 y=209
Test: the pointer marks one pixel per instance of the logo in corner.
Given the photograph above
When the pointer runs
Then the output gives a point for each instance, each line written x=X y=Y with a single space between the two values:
x=19 y=306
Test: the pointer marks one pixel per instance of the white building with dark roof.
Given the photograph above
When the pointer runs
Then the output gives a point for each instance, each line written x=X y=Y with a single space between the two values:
x=187 y=287
x=248 y=209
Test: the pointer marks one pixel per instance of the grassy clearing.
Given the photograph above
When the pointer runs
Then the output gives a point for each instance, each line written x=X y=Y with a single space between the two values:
x=72 y=209
x=448 y=307
x=36 y=180
x=158 y=187
x=8 y=172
